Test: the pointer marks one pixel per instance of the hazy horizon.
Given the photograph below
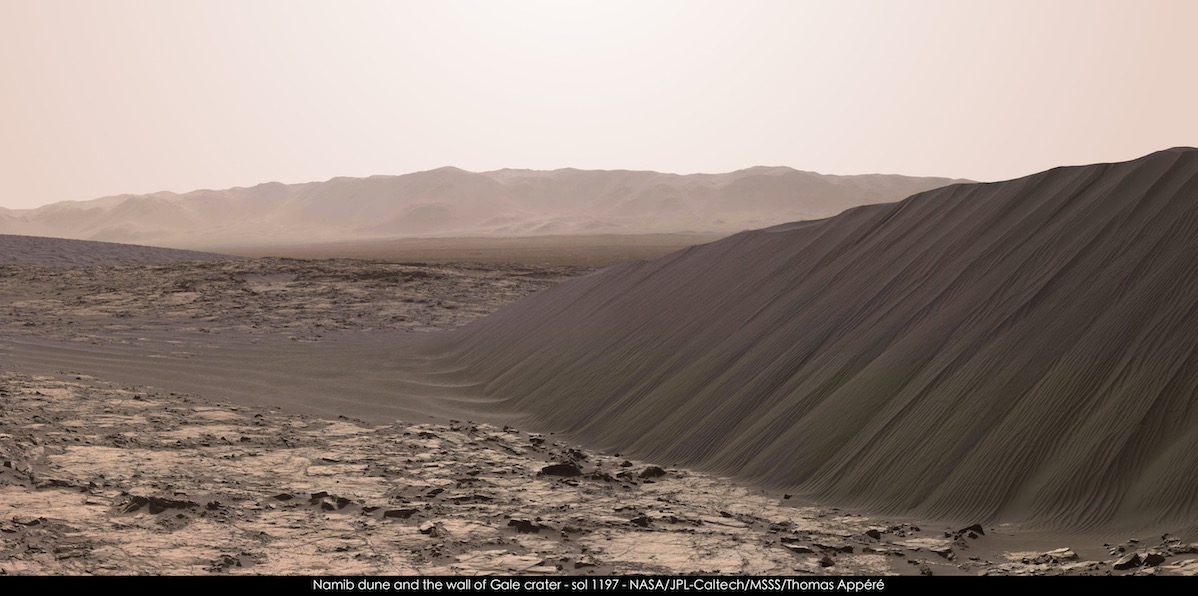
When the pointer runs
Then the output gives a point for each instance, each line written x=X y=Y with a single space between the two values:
x=140 y=97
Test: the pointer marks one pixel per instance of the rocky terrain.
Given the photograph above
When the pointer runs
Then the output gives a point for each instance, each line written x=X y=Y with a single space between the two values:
x=299 y=298
x=98 y=477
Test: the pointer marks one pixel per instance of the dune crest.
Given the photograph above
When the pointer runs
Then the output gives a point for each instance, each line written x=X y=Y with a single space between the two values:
x=1019 y=351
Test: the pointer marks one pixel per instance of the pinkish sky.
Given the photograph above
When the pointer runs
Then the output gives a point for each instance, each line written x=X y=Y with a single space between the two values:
x=101 y=98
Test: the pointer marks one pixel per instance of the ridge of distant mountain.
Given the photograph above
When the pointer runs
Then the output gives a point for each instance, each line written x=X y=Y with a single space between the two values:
x=453 y=202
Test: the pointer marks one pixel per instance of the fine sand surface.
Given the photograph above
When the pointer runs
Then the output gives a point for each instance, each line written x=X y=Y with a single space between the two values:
x=58 y=252
x=1011 y=352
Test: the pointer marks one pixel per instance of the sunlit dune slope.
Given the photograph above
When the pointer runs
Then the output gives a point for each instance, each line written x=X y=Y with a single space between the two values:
x=1023 y=350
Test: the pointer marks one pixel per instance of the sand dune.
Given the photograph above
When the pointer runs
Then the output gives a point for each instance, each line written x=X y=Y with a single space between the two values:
x=454 y=202
x=59 y=252
x=1019 y=351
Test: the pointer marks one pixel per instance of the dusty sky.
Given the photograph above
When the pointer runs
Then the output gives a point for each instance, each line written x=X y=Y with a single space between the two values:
x=101 y=98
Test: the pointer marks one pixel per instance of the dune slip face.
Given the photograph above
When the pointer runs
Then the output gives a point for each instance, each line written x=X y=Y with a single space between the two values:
x=1016 y=352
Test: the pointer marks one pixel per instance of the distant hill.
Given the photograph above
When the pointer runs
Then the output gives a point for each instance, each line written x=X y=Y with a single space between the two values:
x=453 y=202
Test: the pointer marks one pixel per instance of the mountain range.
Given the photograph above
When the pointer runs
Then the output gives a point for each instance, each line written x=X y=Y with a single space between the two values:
x=449 y=202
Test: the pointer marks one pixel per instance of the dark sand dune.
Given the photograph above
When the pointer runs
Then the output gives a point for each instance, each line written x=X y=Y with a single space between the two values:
x=1021 y=351
x=59 y=252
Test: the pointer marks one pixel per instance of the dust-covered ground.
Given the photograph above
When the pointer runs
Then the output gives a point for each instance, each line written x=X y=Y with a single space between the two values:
x=108 y=478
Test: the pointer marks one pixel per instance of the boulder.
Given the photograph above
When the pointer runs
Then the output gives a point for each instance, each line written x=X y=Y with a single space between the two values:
x=565 y=470
x=1128 y=562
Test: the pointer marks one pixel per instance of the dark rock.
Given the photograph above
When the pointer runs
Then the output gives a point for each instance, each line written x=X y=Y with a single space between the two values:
x=283 y=497
x=525 y=526
x=652 y=472
x=156 y=504
x=400 y=513
x=1128 y=562
x=840 y=548
x=641 y=520
x=225 y=562
x=826 y=561
x=1153 y=559
x=975 y=528
x=626 y=464
x=567 y=469
x=876 y=535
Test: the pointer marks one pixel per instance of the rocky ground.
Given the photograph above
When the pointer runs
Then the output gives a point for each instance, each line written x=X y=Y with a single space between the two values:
x=104 y=479
x=109 y=479
x=299 y=298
